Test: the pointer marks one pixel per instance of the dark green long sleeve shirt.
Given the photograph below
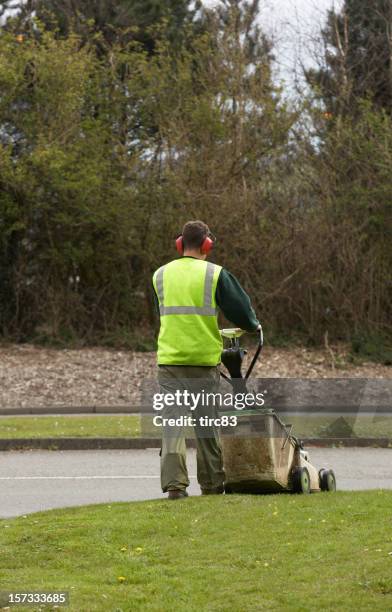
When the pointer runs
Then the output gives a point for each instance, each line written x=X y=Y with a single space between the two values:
x=233 y=301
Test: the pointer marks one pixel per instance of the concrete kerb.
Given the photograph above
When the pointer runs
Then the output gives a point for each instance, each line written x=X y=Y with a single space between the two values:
x=144 y=443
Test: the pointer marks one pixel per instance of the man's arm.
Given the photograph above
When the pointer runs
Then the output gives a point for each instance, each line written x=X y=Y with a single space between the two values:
x=234 y=302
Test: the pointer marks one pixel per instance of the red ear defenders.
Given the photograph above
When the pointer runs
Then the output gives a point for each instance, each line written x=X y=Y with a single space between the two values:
x=205 y=247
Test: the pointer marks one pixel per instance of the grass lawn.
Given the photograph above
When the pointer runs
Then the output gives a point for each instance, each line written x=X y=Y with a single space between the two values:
x=69 y=426
x=363 y=426
x=229 y=553
x=130 y=426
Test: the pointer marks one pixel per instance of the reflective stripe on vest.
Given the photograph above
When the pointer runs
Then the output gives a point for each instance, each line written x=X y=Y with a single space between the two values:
x=207 y=309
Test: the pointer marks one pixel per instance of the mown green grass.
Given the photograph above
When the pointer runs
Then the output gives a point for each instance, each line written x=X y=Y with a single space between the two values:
x=131 y=426
x=70 y=426
x=245 y=553
x=363 y=426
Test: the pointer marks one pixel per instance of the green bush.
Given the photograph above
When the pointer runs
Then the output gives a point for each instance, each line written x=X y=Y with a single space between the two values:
x=372 y=348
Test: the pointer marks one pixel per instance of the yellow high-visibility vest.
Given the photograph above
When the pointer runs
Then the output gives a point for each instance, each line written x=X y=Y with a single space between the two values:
x=189 y=332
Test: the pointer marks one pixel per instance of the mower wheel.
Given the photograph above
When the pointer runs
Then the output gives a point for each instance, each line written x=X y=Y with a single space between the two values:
x=301 y=480
x=327 y=480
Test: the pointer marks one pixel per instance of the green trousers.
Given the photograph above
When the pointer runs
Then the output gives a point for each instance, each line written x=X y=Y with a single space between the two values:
x=174 y=473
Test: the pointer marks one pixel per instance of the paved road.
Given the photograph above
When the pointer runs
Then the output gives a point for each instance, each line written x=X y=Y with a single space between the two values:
x=39 y=480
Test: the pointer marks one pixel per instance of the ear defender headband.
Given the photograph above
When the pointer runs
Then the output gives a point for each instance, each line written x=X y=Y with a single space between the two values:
x=205 y=247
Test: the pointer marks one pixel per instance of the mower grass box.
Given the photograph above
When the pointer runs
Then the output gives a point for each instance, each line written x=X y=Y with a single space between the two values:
x=251 y=454
x=260 y=456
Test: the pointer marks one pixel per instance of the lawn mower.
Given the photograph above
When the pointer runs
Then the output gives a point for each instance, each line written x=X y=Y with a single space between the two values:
x=260 y=454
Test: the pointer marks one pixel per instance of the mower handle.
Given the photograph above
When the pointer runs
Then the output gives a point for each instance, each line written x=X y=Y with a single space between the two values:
x=257 y=353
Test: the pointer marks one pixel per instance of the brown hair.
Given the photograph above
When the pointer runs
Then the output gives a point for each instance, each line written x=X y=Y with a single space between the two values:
x=194 y=233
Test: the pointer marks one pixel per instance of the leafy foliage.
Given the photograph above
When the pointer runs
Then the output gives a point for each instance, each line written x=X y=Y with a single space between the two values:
x=103 y=156
x=106 y=22
x=358 y=51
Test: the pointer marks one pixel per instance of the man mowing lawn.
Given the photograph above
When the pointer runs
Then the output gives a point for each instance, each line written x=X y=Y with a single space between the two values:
x=188 y=293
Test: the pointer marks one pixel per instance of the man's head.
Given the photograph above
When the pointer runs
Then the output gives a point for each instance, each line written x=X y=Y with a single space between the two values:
x=194 y=234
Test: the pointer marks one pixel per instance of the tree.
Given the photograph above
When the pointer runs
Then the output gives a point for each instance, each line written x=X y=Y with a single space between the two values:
x=357 y=61
x=66 y=212
x=222 y=129
x=97 y=163
x=115 y=20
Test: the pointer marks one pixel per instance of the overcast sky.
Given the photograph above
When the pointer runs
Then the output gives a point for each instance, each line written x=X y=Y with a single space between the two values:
x=293 y=25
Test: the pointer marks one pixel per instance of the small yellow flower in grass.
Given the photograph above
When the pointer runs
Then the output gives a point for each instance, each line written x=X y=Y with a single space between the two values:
x=139 y=549
x=275 y=513
x=120 y=579
x=123 y=548
x=378 y=550
x=266 y=564
x=309 y=519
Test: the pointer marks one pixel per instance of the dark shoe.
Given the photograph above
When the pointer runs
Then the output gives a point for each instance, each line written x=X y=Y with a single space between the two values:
x=217 y=491
x=177 y=494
